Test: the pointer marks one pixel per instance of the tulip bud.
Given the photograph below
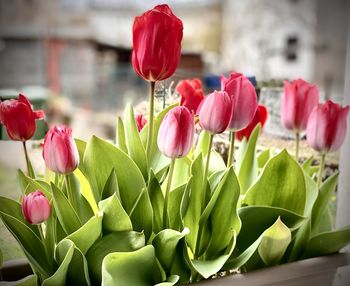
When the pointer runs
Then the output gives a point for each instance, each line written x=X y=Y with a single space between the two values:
x=215 y=112
x=243 y=97
x=157 y=36
x=191 y=93
x=140 y=121
x=260 y=116
x=298 y=100
x=36 y=208
x=175 y=136
x=19 y=118
x=326 y=127
x=60 y=151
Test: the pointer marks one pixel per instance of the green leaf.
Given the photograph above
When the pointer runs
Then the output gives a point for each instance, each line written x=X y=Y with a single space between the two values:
x=181 y=173
x=81 y=146
x=326 y=191
x=31 y=280
x=111 y=186
x=30 y=243
x=202 y=145
x=216 y=163
x=281 y=184
x=100 y=159
x=207 y=268
x=30 y=185
x=327 y=243
x=157 y=201
x=121 y=140
x=86 y=189
x=165 y=244
x=300 y=241
x=124 y=241
x=263 y=158
x=248 y=169
x=194 y=209
x=115 y=217
x=311 y=195
x=133 y=142
x=175 y=199
x=309 y=168
x=65 y=212
x=274 y=243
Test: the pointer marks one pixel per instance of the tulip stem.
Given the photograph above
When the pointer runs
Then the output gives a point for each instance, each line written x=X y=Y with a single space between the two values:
x=29 y=165
x=167 y=193
x=70 y=191
x=150 y=120
x=211 y=136
x=42 y=236
x=320 y=171
x=297 y=141
x=231 y=153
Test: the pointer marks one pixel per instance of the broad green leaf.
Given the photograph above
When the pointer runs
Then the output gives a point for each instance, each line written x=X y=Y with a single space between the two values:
x=121 y=140
x=171 y=280
x=81 y=145
x=133 y=142
x=281 y=184
x=86 y=236
x=165 y=244
x=59 y=277
x=124 y=241
x=111 y=186
x=300 y=241
x=195 y=202
x=30 y=243
x=311 y=195
x=86 y=189
x=202 y=145
x=239 y=156
x=263 y=158
x=157 y=201
x=118 y=268
x=215 y=179
x=216 y=163
x=223 y=217
x=248 y=169
x=64 y=211
x=100 y=159
x=309 y=168
x=174 y=209
x=115 y=217
x=31 y=280
x=207 y=268
x=327 y=243
x=181 y=173
x=274 y=243
x=30 y=185
x=326 y=191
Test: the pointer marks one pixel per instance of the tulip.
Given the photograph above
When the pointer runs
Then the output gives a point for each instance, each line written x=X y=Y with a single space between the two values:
x=326 y=130
x=157 y=36
x=215 y=112
x=191 y=93
x=60 y=151
x=176 y=132
x=19 y=118
x=36 y=208
x=260 y=116
x=175 y=139
x=244 y=100
x=140 y=121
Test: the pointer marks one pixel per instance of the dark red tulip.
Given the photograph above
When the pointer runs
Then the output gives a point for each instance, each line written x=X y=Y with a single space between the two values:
x=157 y=36
x=191 y=93
x=260 y=116
x=19 y=118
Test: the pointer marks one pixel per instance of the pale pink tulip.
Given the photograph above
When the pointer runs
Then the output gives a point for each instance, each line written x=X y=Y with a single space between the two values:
x=36 y=208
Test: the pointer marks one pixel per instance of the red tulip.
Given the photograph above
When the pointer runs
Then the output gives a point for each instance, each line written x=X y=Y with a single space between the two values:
x=260 y=116
x=140 y=121
x=215 y=112
x=19 y=118
x=176 y=132
x=157 y=36
x=244 y=99
x=298 y=100
x=36 y=208
x=191 y=93
x=60 y=151
x=326 y=127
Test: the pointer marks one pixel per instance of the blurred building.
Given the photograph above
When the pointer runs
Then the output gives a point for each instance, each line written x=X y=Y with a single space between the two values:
x=82 y=48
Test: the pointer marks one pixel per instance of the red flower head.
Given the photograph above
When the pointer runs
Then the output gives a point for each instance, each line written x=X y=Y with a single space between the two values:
x=191 y=93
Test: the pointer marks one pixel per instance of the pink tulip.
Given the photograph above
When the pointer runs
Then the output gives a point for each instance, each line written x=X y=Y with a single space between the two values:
x=215 y=112
x=36 y=208
x=326 y=127
x=298 y=100
x=243 y=97
x=140 y=121
x=60 y=151
x=176 y=132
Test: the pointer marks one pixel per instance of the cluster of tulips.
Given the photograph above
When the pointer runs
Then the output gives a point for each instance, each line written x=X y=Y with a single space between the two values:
x=132 y=184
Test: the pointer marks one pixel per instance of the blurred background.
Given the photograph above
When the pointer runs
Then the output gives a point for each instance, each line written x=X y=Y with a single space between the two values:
x=72 y=58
